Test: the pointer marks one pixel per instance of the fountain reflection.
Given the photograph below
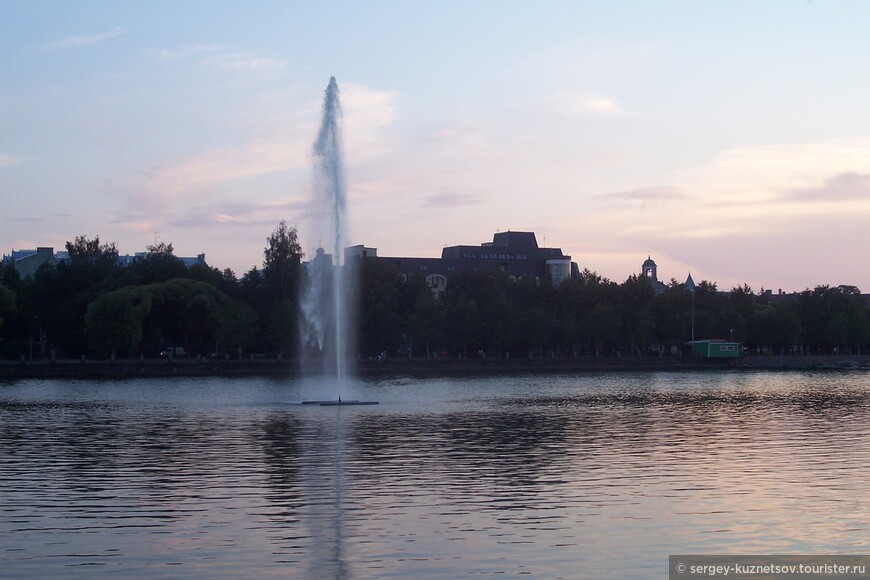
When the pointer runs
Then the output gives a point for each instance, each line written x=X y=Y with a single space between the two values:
x=529 y=477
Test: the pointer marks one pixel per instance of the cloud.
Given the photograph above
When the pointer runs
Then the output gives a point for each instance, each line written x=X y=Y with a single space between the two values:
x=366 y=114
x=209 y=169
x=9 y=160
x=847 y=186
x=88 y=39
x=450 y=200
x=244 y=61
x=646 y=194
x=766 y=193
x=220 y=56
x=761 y=173
x=242 y=214
x=25 y=219
x=183 y=51
x=140 y=223
x=379 y=106
x=583 y=104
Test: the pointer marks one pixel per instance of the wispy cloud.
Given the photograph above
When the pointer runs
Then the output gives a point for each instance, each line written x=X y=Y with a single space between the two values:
x=843 y=187
x=220 y=56
x=7 y=160
x=367 y=113
x=88 y=39
x=25 y=219
x=761 y=192
x=441 y=200
x=139 y=222
x=182 y=51
x=585 y=104
x=244 y=61
x=240 y=214
x=761 y=173
x=209 y=169
x=646 y=194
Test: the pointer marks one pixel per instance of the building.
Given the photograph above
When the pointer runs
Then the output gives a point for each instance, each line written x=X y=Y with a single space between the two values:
x=649 y=272
x=517 y=254
x=27 y=262
x=715 y=348
x=128 y=260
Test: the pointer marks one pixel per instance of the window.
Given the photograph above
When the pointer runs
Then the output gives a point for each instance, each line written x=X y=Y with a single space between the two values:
x=436 y=281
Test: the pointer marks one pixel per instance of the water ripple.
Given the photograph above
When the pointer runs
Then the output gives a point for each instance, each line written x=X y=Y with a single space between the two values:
x=522 y=476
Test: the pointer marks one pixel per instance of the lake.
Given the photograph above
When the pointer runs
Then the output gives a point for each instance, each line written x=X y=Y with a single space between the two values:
x=590 y=476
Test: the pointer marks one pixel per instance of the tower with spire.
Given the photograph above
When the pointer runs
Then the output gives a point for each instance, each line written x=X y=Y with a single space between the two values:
x=649 y=271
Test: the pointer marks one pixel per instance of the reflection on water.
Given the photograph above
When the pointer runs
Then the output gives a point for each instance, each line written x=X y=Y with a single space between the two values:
x=593 y=476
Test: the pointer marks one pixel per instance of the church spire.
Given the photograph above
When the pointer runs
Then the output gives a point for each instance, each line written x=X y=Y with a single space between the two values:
x=690 y=284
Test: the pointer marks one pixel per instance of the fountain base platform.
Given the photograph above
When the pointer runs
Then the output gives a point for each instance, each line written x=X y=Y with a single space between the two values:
x=338 y=402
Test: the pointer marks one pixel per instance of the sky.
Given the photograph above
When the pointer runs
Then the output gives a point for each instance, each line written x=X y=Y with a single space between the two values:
x=729 y=139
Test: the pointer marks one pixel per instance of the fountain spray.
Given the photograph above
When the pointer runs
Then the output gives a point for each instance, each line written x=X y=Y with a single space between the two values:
x=326 y=317
x=324 y=314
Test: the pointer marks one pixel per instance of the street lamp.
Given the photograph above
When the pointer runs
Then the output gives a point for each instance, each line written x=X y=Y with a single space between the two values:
x=690 y=287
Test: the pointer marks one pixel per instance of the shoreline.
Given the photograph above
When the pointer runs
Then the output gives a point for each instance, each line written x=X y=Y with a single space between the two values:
x=183 y=367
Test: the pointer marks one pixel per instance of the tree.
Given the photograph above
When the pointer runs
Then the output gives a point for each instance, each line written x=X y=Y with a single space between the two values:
x=142 y=318
x=237 y=325
x=7 y=304
x=635 y=312
x=673 y=315
x=526 y=321
x=113 y=323
x=159 y=265
x=60 y=295
x=475 y=310
x=225 y=280
x=714 y=316
x=160 y=249
x=282 y=260
x=426 y=321
x=380 y=324
x=779 y=327
x=82 y=249
x=595 y=321
x=831 y=318
x=283 y=247
x=463 y=320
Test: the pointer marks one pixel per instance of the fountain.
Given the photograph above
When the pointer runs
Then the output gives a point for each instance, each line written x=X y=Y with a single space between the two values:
x=326 y=317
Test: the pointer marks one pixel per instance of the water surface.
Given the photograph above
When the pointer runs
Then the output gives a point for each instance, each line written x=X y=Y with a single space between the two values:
x=598 y=475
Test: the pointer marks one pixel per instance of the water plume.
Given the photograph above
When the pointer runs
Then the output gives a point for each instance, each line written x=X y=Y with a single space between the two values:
x=325 y=315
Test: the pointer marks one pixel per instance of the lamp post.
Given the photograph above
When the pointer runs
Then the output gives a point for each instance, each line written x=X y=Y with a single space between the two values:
x=693 y=315
x=690 y=286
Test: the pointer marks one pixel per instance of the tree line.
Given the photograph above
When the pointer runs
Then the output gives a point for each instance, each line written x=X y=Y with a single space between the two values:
x=91 y=305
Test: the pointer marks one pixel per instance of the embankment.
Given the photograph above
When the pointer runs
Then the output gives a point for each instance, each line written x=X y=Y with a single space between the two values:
x=190 y=367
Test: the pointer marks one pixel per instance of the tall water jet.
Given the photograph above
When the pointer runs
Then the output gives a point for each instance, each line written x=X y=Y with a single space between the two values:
x=325 y=313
